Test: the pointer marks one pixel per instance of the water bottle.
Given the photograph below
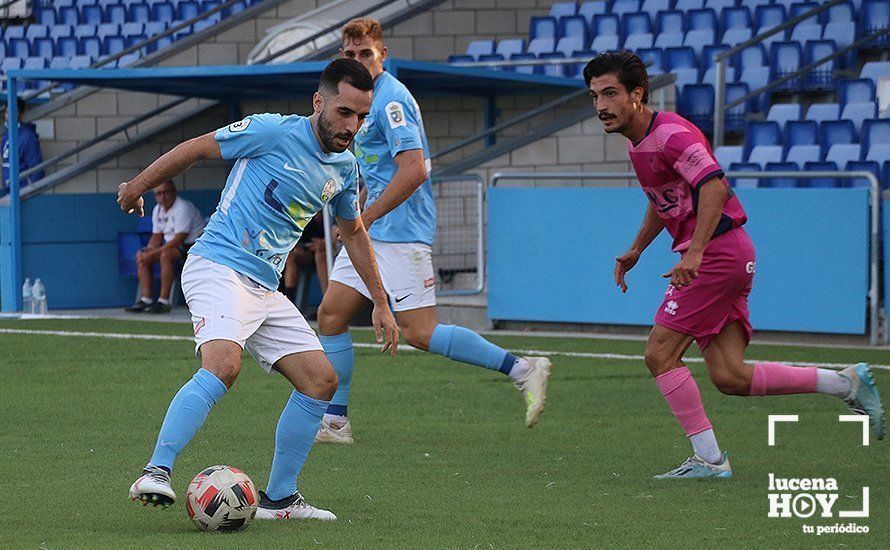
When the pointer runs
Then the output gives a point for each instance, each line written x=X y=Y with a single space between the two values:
x=26 y=296
x=38 y=297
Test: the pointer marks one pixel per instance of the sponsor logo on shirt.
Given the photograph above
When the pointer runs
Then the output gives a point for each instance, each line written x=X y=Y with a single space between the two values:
x=240 y=126
x=330 y=187
x=671 y=307
x=395 y=114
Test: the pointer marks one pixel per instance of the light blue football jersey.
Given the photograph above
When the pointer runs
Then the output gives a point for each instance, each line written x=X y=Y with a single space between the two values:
x=395 y=125
x=280 y=180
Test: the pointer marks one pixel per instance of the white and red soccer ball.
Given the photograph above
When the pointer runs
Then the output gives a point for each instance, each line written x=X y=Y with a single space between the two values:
x=221 y=498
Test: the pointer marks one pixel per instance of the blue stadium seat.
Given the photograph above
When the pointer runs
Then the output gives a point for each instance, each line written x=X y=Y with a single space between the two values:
x=801 y=132
x=234 y=9
x=669 y=39
x=204 y=24
x=756 y=78
x=710 y=76
x=635 y=42
x=540 y=46
x=524 y=69
x=108 y=29
x=783 y=112
x=800 y=8
x=563 y=9
x=113 y=45
x=734 y=118
x=127 y=60
x=804 y=33
x=91 y=14
x=875 y=131
x=840 y=153
x=652 y=57
x=878 y=152
x=652 y=7
x=839 y=13
x=59 y=31
x=719 y=5
x=863 y=166
x=855 y=90
x=116 y=13
x=36 y=31
x=843 y=33
x=510 y=46
x=480 y=47
x=80 y=62
x=820 y=77
x=186 y=10
x=726 y=155
x=800 y=154
x=43 y=47
x=66 y=47
x=736 y=18
x=680 y=58
x=10 y=63
x=621 y=7
x=590 y=9
x=156 y=27
x=873 y=70
x=139 y=13
x=68 y=16
x=15 y=31
x=701 y=20
x=775 y=183
x=821 y=182
x=556 y=70
x=635 y=23
x=734 y=37
x=684 y=77
x=163 y=11
x=82 y=31
x=45 y=16
x=670 y=22
x=752 y=56
x=767 y=17
x=689 y=5
x=763 y=154
x=461 y=59
x=542 y=27
x=874 y=16
x=90 y=46
x=133 y=30
x=709 y=52
x=569 y=44
x=697 y=40
x=604 y=43
x=858 y=112
x=492 y=57
x=761 y=133
x=836 y=132
x=820 y=112
x=574 y=26
x=18 y=47
x=744 y=183
x=606 y=25
x=786 y=58
x=696 y=103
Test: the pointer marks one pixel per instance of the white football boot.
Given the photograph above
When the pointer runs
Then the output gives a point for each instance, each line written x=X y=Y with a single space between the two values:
x=153 y=487
x=332 y=433
x=533 y=387
x=292 y=507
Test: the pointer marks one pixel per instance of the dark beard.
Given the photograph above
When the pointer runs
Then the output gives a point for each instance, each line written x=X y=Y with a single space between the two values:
x=327 y=135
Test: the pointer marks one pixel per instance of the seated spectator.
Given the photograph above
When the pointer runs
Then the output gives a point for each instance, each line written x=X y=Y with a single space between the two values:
x=29 y=151
x=309 y=253
x=175 y=226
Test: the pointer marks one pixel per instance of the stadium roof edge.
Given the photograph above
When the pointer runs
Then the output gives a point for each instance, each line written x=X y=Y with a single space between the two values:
x=293 y=80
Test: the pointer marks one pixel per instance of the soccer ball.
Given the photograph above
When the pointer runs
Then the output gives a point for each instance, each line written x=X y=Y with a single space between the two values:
x=221 y=498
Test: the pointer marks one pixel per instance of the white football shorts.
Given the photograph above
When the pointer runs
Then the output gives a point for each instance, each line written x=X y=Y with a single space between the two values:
x=406 y=270
x=226 y=305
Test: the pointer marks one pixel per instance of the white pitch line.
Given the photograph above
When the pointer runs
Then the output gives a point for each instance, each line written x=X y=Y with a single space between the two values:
x=404 y=347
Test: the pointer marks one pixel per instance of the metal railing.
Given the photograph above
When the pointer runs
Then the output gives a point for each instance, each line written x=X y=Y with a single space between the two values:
x=480 y=230
x=876 y=334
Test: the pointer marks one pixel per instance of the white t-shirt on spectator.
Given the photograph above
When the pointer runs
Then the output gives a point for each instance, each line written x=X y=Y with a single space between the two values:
x=183 y=217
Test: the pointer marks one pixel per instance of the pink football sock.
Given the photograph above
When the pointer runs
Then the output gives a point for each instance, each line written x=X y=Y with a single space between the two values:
x=779 y=379
x=684 y=399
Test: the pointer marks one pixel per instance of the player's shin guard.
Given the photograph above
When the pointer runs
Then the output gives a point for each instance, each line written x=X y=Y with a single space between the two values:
x=341 y=354
x=186 y=414
x=779 y=379
x=684 y=399
x=466 y=346
x=297 y=426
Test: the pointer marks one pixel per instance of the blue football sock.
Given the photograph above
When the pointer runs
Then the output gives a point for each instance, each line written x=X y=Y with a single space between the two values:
x=464 y=345
x=186 y=414
x=294 y=437
x=341 y=354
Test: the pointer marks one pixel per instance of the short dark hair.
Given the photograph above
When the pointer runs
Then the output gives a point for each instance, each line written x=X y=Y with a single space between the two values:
x=345 y=70
x=625 y=65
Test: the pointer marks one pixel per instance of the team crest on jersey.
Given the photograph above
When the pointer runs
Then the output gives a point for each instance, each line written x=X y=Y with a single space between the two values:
x=330 y=187
x=240 y=126
x=396 y=114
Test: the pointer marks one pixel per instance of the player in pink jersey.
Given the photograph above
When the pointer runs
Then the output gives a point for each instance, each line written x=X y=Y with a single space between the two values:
x=707 y=299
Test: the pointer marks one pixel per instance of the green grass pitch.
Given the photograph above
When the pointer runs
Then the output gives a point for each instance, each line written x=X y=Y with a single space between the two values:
x=442 y=459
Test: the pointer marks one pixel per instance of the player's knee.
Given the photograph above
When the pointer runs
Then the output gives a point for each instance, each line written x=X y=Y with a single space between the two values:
x=730 y=383
x=324 y=383
x=416 y=337
x=329 y=322
x=226 y=371
x=657 y=361
x=169 y=255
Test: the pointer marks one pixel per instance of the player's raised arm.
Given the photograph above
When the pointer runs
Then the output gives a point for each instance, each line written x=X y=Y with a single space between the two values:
x=169 y=165
x=358 y=246
x=410 y=174
x=651 y=227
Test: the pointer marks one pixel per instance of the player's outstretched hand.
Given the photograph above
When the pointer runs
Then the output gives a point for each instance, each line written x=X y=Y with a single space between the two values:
x=128 y=202
x=386 y=329
x=623 y=264
x=685 y=271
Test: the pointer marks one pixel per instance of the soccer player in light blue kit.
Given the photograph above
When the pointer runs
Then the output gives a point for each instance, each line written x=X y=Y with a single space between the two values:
x=400 y=214
x=287 y=168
